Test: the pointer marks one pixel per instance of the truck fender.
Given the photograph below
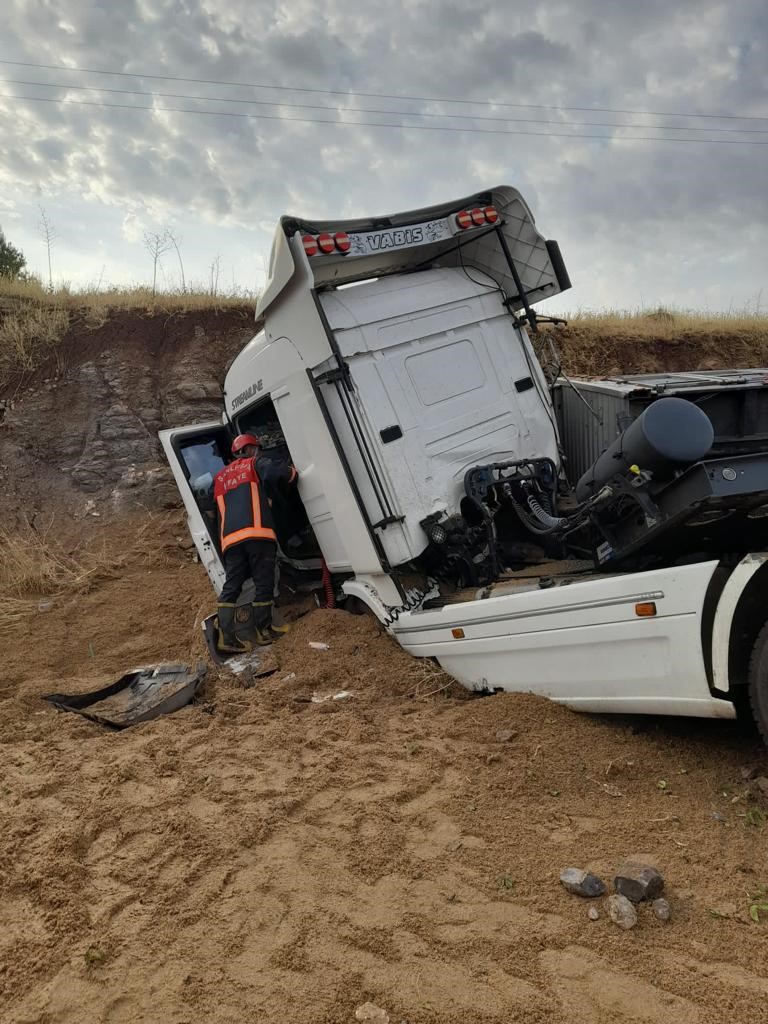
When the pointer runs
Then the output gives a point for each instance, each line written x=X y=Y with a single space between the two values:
x=727 y=607
x=367 y=594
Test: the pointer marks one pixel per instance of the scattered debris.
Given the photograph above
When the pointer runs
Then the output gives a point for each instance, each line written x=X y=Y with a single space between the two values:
x=593 y=914
x=138 y=696
x=45 y=605
x=621 y=911
x=372 y=1013
x=638 y=882
x=317 y=645
x=719 y=816
x=288 y=678
x=582 y=883
x=661 y=909
x=321 y=698
x=505 y=735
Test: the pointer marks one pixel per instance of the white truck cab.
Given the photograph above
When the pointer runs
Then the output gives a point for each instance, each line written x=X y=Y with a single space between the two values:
x=393 y=364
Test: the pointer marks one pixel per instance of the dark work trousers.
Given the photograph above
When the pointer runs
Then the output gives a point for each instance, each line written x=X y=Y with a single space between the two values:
x=254 y=558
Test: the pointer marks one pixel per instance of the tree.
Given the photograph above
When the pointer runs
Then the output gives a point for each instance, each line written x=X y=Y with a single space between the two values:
x=12 y=260
x=157 y=245
x=49 y=236
x=176 y=242
x=215 y=270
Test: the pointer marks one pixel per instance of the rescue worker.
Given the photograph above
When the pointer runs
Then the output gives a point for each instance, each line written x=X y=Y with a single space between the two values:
x=248 y=542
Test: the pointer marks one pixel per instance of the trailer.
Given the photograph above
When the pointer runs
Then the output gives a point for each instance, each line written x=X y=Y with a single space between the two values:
x=602 y=543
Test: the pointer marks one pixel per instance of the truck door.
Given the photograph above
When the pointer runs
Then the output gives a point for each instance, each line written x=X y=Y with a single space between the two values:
x=195 y=455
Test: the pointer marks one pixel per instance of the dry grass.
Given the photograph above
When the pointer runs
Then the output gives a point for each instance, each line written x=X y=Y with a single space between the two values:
x=33 y=568
x=100 y=301
x=667 y=322
x=34 y=321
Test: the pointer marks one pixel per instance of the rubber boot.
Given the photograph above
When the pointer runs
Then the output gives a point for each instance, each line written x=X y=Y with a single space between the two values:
x=227 y=637
x=262 y=612
x=248 y=628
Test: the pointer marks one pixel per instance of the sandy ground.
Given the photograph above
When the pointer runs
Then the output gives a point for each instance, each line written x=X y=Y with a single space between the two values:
x=258 y=857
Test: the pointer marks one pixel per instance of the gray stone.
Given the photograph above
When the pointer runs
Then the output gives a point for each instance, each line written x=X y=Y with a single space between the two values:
x=593 y=914
x=762 y=784
x=621 y=911
x=638 y=882
x=661 y=909
x=582 y=883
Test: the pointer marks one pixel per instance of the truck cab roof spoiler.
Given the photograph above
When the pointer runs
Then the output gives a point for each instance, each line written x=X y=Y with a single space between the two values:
x=431 y=236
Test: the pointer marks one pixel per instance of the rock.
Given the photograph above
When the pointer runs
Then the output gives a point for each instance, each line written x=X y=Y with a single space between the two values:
x=750 y=772
x=372 y=1013
x=762 y=784
x=505 y=735
x=719 y=816
x=638 y=882
x=593 y=914
x=621 y=911
x=661 y=909
x=582 y=883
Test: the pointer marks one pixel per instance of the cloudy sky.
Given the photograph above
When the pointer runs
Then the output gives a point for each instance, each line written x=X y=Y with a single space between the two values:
x=677 y=220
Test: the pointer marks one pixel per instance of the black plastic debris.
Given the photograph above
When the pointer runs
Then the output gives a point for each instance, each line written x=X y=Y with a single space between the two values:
x=138 y=696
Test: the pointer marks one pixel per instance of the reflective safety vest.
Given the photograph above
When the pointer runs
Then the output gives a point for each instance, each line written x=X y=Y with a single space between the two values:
x=244 y=510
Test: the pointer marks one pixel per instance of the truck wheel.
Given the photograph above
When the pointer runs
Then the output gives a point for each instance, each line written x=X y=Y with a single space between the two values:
x=758 y=682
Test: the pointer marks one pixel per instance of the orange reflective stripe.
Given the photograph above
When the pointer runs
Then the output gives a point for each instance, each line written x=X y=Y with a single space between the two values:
x=249 y=533
x=222 y=508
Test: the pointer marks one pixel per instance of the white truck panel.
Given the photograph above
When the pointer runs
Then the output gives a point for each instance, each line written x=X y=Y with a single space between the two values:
x=436 y=354
x=581 y=644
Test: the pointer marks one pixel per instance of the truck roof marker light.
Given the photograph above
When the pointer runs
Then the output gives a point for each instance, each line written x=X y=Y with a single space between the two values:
x=310 y=244
x=342 y=241
x=645 y=609
x=478 y=216
x=464 y=219
x=325 y=242
x=458 y=633
x=491 y=214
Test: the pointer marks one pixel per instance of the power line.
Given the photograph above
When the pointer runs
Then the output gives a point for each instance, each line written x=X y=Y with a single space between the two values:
x=389 y=113
x=377 y=95
x=380 y=124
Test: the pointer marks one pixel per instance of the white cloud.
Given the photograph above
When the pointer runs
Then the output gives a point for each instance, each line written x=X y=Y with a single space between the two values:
x=635 y=220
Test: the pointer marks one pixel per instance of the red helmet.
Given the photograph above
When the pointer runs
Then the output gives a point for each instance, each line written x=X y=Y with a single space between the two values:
x=243 y=440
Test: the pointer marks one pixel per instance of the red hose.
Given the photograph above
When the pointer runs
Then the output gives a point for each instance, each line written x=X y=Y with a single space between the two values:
x=330 y=597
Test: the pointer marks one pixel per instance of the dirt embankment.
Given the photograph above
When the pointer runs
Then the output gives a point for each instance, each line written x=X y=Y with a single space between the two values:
x=84 y=426
x=261 y=857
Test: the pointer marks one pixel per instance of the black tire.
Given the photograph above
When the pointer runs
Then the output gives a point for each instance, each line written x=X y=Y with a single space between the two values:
x=757 y=678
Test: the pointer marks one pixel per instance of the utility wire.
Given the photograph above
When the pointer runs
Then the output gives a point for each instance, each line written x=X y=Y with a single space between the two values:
x=381 y=124
x=389 y=113
x=375 y=95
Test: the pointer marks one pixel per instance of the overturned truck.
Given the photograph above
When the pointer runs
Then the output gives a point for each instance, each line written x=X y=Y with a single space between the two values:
x=601 y=542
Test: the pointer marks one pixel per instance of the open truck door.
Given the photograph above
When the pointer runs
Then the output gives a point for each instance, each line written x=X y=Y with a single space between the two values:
x=195 y=455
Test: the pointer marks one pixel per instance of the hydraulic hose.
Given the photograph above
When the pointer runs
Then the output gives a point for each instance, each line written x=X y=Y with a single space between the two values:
x=330 y=597
x=549 y=521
